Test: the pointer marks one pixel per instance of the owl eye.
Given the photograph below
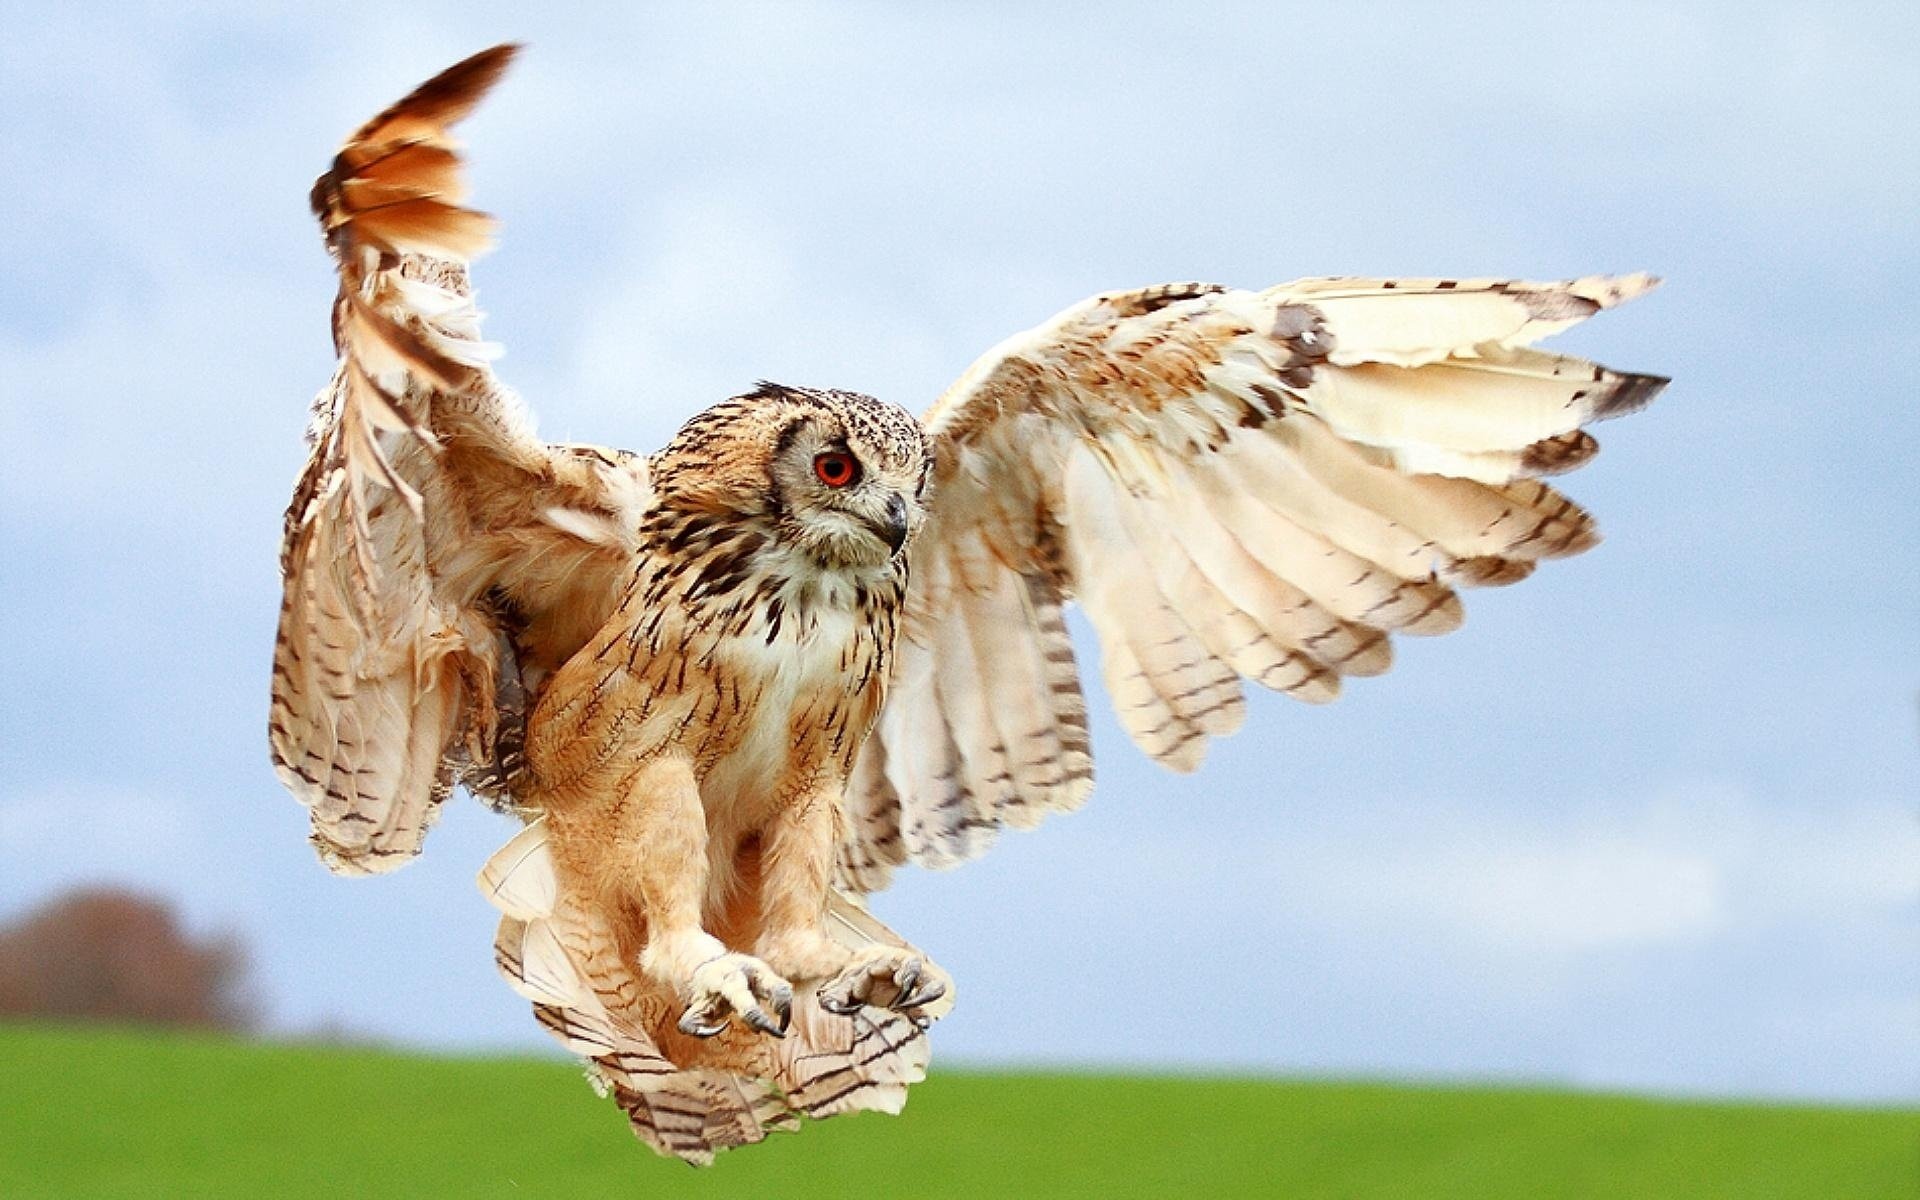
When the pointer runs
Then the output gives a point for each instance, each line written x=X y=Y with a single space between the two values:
x=836 y=468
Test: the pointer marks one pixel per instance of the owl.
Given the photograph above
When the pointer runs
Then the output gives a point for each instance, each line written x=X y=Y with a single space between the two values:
x=730 y=686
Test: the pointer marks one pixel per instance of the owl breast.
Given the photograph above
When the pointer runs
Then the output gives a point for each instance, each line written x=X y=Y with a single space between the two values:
x=806 y=696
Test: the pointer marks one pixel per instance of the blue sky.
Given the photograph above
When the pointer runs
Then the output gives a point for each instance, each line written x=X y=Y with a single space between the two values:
x=1648 y=821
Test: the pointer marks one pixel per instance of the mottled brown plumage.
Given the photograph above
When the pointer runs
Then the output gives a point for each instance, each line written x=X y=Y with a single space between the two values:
x=733 y=685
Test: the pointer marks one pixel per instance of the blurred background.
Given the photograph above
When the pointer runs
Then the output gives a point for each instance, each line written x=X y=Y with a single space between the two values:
x=1648 y=822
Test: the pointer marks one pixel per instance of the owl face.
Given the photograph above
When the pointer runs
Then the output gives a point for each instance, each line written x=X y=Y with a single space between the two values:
x=849 y=477
x=834 y=482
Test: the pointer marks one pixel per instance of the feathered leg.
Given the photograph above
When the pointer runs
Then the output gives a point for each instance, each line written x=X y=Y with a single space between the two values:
x=795 y=862
x=794 y=870
x=643 y=843
x=685 y=1096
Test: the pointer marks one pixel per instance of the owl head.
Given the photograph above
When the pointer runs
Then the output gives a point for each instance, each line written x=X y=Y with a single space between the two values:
x=837 y=477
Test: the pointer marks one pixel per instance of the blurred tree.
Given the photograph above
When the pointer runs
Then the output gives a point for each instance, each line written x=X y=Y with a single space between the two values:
x=107 y=954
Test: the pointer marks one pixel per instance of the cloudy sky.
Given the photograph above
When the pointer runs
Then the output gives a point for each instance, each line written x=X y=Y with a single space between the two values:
x=1649 y=821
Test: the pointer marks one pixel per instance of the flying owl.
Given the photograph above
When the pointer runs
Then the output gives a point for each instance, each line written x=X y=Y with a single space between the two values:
x=730 y=686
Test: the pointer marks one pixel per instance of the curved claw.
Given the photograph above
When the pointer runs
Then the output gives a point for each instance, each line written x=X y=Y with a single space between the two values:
x=758 y=1019
x=731 y=986
x=911 y=980
x=904 y=980
x=926 y=995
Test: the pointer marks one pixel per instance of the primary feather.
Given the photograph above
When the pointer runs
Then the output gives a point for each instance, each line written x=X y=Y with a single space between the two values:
x=434 y=549
x=1234 y=484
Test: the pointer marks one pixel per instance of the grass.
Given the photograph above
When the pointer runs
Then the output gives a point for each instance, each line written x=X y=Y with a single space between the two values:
x=111 y=1113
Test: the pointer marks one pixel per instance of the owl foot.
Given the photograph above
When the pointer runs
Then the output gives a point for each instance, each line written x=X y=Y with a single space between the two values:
x=736 y=985
x=886 y=977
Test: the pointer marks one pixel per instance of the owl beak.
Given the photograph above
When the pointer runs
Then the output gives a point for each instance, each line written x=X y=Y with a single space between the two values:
x=892 y=528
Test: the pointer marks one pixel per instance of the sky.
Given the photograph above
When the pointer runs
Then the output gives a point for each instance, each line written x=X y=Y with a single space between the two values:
x=1648 y=822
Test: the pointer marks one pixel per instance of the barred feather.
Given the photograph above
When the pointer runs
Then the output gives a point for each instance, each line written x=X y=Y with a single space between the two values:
x=678 y=1099
x=426 y=492
x=1234 y=484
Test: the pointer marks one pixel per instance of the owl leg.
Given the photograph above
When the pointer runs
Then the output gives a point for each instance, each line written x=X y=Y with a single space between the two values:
x=659 y=854
x=796 y=869
x=796 y=866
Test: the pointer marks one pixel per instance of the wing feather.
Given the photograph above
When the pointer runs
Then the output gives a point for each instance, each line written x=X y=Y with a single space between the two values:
x=1233 y=484
x=1010 y=678
x=1171 y=692
x=422 y=558
x=965 y=700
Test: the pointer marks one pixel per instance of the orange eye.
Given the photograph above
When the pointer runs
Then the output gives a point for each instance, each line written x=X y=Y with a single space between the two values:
x=836 y=468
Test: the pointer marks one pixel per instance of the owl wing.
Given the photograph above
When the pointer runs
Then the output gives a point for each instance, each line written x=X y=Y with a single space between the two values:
x=434 y=547
x=1232 y=484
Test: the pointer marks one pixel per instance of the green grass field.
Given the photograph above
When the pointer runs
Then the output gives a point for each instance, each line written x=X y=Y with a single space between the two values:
x=109 y=1113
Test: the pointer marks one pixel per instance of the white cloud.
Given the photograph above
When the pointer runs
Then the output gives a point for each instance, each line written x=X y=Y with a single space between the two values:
x=1575 y=898
x=1697 y=938
x=1694 y=861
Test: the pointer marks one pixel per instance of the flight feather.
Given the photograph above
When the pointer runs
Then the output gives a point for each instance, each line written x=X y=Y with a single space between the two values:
x=435 y=550
x=1233 y=485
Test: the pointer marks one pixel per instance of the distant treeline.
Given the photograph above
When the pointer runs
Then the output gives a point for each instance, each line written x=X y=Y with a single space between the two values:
x=108 y=954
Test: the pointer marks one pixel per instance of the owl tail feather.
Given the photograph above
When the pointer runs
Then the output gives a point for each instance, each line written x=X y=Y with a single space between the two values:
x=688 y=1097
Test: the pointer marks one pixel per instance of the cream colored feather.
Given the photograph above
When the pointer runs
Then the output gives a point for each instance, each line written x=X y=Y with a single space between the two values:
x=1170 y=692
x=827 y=1065
x=427 y=499
x=1233 y=484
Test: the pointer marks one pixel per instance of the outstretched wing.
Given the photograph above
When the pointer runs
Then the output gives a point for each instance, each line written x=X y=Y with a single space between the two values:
x=1233 y=484
x=434 y=546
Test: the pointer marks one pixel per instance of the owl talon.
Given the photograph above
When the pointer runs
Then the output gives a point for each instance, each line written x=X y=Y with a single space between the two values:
x=904 y=979
x=933 y=990
x=691 y=1025
x=890 y=978
x=736 y=985
x=758 y=1019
